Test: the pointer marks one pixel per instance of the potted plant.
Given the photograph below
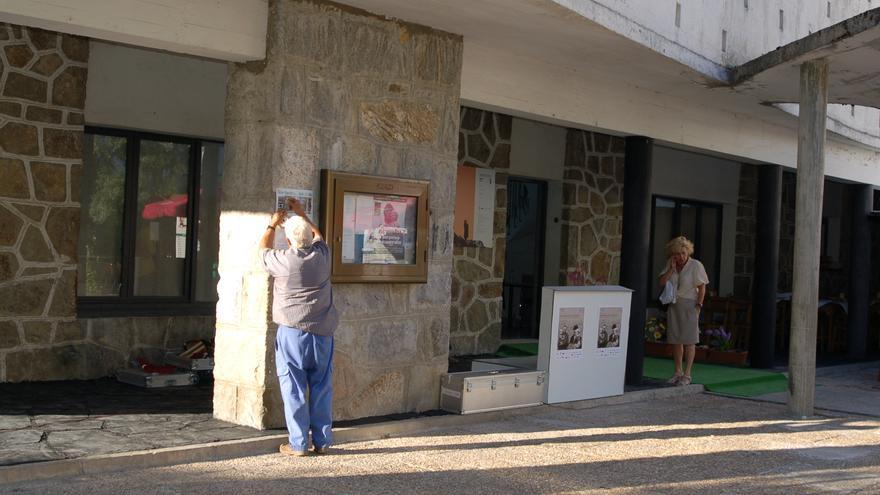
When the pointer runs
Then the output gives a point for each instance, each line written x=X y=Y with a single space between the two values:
x=655 y=338
x=718 y=345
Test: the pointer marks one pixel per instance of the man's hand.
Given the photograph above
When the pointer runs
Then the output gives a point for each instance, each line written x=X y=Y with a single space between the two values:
x=278 y=217
x=296 y=207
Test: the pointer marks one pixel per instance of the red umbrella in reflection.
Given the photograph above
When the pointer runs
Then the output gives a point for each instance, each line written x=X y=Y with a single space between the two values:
x=173 y=206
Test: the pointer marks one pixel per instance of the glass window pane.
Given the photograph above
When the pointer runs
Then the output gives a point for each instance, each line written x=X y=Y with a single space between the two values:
x=209 y=222
x=100 y=238
x=664 y=215
x=688 y=226
x=160 y=231
x=709 y=245
x=379 y=229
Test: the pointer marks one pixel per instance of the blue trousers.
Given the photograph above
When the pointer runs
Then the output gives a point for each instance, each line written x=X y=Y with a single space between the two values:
x=303 y=362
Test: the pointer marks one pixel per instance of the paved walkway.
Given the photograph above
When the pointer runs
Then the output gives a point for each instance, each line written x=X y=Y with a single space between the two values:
x=67 y=420
x=686 y=445
x=852 y=388
x=64 y=420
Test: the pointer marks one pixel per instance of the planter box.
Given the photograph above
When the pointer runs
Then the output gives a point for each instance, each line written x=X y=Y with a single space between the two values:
x=658 y=349
x=702 y=354
x=732 y=358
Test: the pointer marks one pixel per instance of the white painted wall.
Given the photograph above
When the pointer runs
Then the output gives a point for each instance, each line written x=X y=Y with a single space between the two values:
x=221 y=29
x=686 y=175
x=148 y=90
x=537 y=151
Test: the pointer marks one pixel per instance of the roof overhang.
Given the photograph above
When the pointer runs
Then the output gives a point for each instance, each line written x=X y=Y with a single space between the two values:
x=852 y=49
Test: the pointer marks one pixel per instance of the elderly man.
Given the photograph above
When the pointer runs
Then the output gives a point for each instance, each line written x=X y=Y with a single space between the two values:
x=303 y=309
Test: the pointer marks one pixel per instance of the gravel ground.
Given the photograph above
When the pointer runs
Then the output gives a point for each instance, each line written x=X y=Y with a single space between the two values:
x=698 y=444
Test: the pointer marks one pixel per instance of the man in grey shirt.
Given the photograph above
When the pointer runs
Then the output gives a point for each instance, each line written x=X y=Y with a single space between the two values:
x=303 y=309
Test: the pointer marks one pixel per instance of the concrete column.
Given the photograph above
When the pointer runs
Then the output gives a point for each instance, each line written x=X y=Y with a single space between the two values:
x=763 y=323
x=343 y=90
x=859 y=272
x=635 y=246
x=807 y=236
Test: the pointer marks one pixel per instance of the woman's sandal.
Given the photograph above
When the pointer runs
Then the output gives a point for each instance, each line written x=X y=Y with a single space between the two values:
x=674 y=380
x=684 y=381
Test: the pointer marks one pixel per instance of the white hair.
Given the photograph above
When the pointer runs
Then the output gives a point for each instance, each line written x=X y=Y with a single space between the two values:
x=298 y=232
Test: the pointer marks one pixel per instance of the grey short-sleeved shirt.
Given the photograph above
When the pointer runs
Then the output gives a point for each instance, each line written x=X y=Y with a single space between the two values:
x=303 y=293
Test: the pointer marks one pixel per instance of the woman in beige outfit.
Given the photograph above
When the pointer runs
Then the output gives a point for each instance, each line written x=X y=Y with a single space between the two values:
x=689 y=278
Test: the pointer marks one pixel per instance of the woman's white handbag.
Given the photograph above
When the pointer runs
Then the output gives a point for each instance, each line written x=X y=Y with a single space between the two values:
x=668 y=294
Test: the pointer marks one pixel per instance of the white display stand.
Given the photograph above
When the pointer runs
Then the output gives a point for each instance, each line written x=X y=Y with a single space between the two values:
x=582 y=345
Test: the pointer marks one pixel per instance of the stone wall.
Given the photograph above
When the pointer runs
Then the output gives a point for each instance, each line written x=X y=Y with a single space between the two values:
x=344 y=90
x=478 y=272
x=746 y=230
x=41 y=123
x=786 y=232
x=834 y=273
x=94 y=348
x=592 y=208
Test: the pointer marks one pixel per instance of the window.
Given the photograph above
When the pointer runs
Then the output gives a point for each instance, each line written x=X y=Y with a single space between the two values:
x=144 y=247
x=699 y=222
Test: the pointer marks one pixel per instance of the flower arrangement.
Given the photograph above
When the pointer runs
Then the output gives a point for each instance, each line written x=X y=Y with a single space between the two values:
x=717 y=339
x=655 y=330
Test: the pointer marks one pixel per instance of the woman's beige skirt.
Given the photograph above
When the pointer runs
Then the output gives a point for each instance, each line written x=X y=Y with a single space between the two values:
x=683 y=322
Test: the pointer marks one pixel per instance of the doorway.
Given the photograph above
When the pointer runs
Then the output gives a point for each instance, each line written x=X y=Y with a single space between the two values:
x=524 y=260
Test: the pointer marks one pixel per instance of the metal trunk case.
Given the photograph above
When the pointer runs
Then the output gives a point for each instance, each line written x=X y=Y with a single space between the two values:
x=479 y=391
x=156 y=380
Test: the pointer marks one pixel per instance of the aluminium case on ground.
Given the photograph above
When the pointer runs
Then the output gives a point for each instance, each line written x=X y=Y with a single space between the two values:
x=479 y=391
x=141 y=378
x=194 y=364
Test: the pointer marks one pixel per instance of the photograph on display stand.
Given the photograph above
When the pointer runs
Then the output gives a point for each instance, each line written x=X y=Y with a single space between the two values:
x=570 y=335
x=609 y=327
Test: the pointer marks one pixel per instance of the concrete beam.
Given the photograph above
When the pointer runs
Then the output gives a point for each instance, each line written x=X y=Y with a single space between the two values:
x=807 y=237
x=233 y=30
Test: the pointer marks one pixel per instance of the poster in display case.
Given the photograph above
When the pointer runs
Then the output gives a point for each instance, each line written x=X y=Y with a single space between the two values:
x=377 y=227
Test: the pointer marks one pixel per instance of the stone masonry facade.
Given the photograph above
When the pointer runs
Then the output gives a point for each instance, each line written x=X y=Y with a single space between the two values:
x=592 y=208
x=786 y=232
x=41 y=124
x=345 y=90
x=746 y=228
x=478 y=272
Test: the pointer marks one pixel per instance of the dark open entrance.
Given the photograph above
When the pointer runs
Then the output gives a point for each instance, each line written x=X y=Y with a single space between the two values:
x=524 y=259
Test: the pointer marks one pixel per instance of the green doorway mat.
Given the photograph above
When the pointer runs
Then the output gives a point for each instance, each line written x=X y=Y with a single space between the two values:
x=743 y=382
x=517 y=350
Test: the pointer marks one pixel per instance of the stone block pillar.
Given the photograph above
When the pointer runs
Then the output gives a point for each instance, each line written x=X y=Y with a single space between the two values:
x=41 y=122
x=345 y=90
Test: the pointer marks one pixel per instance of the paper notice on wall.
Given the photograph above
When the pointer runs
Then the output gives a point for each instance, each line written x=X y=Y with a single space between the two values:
x=180 y=237
x=349 y=227
x=484 y=207
x=306 y=199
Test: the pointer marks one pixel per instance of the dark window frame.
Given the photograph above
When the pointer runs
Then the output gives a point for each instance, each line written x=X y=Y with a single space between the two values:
x=715 y=271
x=507 y=287
x=127 y=304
